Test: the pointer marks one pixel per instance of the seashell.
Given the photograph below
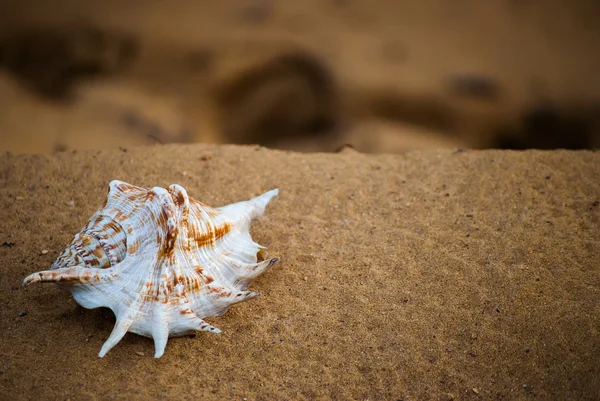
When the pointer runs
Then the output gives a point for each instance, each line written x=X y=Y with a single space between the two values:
x=161 y=261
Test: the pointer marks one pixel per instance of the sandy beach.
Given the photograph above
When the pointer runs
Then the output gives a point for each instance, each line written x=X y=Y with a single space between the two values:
x=429 y=275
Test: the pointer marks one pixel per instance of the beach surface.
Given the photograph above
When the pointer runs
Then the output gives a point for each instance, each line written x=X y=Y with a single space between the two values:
x=428 y=275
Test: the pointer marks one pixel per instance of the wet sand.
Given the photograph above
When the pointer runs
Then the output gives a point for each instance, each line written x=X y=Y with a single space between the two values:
x=429 y=275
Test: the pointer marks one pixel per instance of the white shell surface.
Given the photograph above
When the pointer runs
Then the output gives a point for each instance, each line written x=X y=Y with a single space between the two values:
x=161 y=261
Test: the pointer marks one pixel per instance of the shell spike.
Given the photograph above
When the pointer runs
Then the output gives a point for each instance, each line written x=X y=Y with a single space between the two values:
x=261 y=201
x=241 y=296
x=117 y=334
x=222 y=303
x=203 y=325
x=160 y=329
x=252 y=271
x=160 y=334
x=69 y=275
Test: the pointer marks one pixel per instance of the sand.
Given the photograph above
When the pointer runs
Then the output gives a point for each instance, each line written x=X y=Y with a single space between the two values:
x=402 y=63
x=429 y=275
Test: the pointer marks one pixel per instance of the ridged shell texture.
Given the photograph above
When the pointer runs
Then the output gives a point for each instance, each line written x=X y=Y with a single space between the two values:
x=161 y=261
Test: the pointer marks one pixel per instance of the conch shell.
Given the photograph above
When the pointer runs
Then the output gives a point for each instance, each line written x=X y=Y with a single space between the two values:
x=161 y=261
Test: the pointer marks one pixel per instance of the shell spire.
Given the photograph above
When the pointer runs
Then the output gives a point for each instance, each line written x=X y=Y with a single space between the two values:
x=161 y=261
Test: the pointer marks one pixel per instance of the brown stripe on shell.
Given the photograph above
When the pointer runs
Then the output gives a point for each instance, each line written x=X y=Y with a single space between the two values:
x=85 y=240
x=220 y=291
x=128 y=188
x=171 y=230
x=204 y=208
x=192 y=283
x=94 y=262
x=179 y=198
x=133 y=247
x=98 y=252
x=171 y=239
x=135 y=197
x=112 y=246
x=211 y=212
x=119 y=215
x=149 y=291
x=113 y=226
x=211 y=236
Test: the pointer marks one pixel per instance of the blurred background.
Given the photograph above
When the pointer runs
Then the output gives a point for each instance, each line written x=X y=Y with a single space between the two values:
x=308 y=75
